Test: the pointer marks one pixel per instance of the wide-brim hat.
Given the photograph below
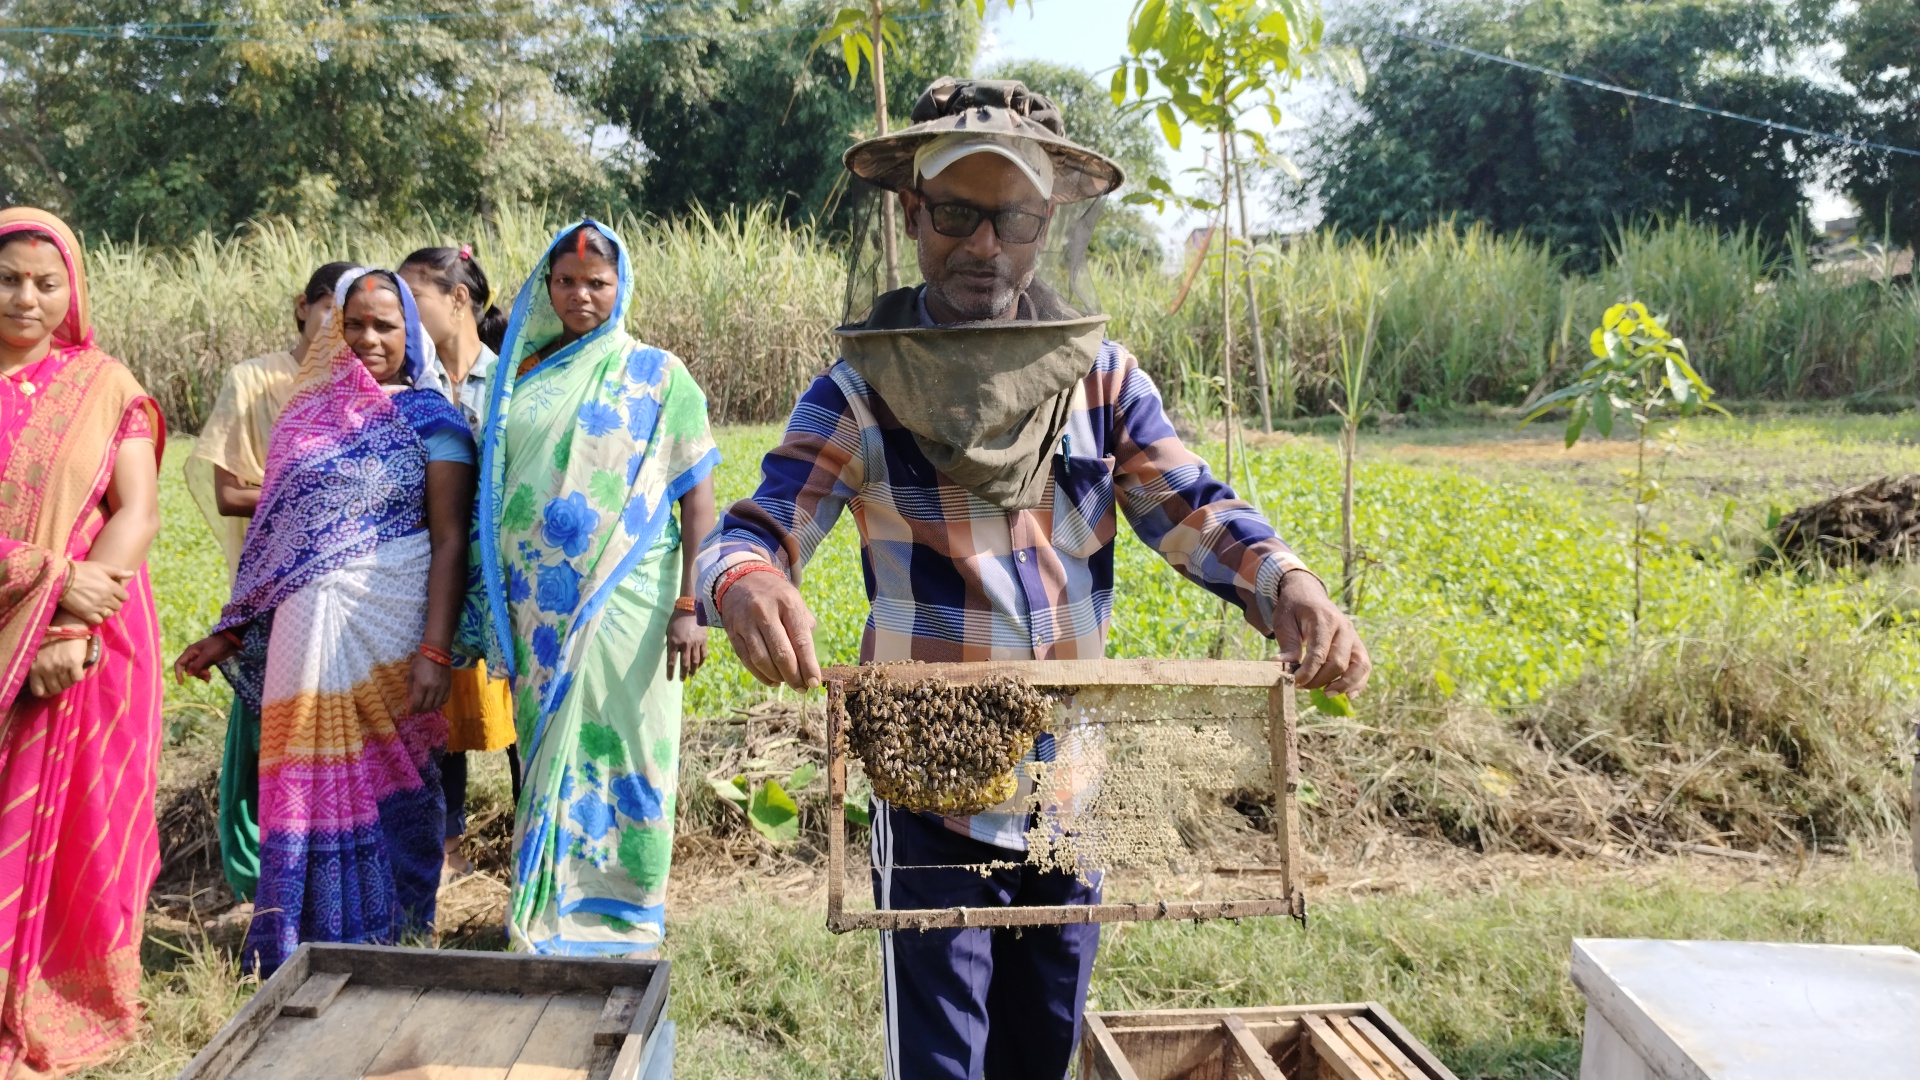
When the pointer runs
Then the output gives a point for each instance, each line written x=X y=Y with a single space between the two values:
x=987 y=107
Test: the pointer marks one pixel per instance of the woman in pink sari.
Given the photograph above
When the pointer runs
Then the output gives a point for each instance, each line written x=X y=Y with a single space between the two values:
x=80 y=445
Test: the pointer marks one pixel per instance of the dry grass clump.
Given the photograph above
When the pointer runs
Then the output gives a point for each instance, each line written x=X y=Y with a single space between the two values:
x=1741 y=737
x=1878 y=521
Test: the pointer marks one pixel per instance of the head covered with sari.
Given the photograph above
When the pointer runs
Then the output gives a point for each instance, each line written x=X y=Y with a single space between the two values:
x=345 y=466
x=77 y=840
x=582 y=459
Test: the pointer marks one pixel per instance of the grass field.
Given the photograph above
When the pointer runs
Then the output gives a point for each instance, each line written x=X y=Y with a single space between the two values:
x=1752 y=711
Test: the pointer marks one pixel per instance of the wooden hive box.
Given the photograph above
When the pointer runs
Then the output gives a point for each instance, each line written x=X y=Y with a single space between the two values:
x=365 y=1012
x=1293 y=1042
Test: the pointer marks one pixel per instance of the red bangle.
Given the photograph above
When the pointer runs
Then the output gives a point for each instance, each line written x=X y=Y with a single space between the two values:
x=68 y=633
x=728 y=579
x=438 y=656
x=233 y=639
x=683 y=603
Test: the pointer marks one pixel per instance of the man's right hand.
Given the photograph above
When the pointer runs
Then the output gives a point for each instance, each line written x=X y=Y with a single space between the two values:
x=771 y=630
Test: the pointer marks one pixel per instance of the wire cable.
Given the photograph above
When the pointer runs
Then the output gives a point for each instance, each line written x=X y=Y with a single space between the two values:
x=1774 y=125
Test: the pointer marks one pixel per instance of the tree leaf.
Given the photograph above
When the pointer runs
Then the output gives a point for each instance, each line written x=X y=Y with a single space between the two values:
x=857 y=810
x=1147 y=19
x=774 y=814
x=1169 y=124
x=1577 y=422
x=732 y=791
x=1118 y=88
x=1603 y=413
x=1140 y=86
x=847 y=19
x=802 y=776
x=1330 y=704
x=850 y=51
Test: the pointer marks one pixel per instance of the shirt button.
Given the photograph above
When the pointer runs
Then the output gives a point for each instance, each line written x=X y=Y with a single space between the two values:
x=1022 y=556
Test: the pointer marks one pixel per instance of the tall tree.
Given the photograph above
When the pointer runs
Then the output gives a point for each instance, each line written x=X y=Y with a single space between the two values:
x=1440 y=135
x=734 y=106
x=167 y=117
x=1882 y=63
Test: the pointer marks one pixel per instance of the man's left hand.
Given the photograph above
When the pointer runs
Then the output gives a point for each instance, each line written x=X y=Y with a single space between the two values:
x=1319 y=638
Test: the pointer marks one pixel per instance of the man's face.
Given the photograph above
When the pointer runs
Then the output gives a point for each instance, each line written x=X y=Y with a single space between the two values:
x=979 y=276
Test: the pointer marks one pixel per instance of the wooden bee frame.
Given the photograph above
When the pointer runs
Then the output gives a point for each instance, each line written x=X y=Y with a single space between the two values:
x=1283 y=747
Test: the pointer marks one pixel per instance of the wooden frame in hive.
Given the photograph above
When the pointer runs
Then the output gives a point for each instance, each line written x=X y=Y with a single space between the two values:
x=1283 y=752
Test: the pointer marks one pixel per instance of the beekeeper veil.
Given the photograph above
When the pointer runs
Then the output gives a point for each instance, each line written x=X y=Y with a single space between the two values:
x=983 y=322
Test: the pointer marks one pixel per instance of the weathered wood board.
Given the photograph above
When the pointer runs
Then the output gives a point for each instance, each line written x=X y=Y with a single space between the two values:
x=1354 y=1041
x=359 y=1012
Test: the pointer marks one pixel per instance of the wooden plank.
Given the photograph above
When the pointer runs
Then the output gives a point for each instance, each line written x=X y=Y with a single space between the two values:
x=217 y=1060
x=616 y=1015
x=1283 y=750
x=1335 y=1056
x=315 y=994
x=1387 y=1048
x=449 y=969
x=646 y=1016
x=1091 y=672
x=836 y=798
x=1252 y=1053
x=1109 y=1062
x=1364 y=1050
x=1260 y=1014
x=340 y=1043
x=1056 y=915
x=564 y=1041
x=1390 y=1026
x=459 y=1035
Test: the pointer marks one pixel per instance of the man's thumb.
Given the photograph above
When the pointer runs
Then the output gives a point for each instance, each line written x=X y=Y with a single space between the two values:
x=120 y=573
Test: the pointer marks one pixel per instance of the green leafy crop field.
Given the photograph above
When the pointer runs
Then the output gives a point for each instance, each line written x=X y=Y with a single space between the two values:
x=1763 y=711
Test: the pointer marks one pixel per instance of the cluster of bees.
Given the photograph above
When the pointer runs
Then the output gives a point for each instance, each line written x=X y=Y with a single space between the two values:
x=928 y=745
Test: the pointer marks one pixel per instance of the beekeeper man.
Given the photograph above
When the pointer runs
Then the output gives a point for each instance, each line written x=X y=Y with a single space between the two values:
x=985 y=435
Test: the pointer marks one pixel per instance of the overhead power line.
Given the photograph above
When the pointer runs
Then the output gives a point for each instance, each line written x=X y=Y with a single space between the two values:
x=1582 y=80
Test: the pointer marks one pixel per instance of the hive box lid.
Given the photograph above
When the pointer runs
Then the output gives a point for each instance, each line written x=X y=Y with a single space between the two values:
x=1717 y=1010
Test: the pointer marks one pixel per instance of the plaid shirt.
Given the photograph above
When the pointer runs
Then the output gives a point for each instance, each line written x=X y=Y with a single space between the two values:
x=951 y=577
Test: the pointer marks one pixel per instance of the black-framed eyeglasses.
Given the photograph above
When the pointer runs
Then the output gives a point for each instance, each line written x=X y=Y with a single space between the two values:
x=960 y=220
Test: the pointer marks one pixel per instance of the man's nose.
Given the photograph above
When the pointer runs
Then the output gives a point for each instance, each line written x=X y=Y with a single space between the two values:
x=985 y=241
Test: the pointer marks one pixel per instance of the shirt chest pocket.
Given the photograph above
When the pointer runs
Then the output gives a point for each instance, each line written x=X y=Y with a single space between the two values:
x=1083 y=516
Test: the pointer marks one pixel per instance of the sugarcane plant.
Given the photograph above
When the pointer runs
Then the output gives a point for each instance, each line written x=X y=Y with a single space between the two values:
x=1640 y=372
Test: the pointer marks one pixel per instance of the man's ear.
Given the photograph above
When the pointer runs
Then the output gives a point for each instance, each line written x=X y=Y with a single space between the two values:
x=910 y=203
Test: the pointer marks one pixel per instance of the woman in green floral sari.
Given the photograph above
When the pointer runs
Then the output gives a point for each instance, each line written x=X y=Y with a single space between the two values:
x=590 y=438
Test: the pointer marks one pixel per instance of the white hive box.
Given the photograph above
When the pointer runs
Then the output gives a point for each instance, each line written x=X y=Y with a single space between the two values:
x=1731 y=1010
